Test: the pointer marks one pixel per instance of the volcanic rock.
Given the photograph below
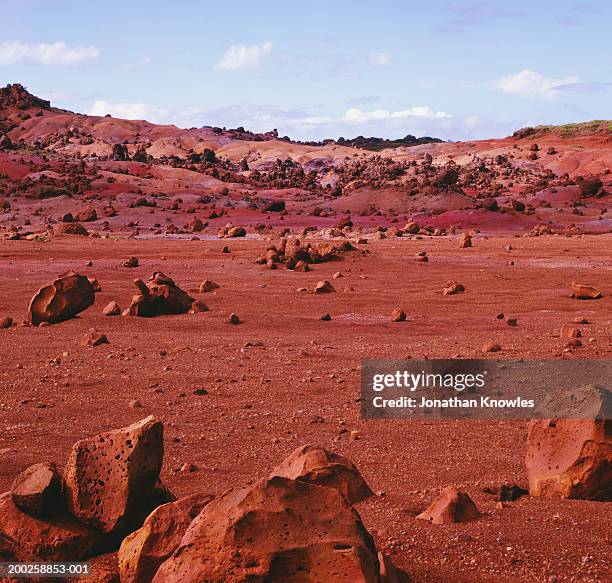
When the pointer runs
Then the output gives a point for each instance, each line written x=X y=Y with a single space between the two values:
x=568 y=331
x=198 y=306
x=453 y=287
x=207 y=286
x=301 y=266
x=510 y=493
x=160 y=296
x=570 y=455
x=58 y=538
x=143 y=551
x=131 y=262
x=491 y=347
x=309 y=463
x=451 y=505
x=62 y=299
x=111 y=309
x=71 y=229
x=110 y=479
x=94 y=338
x=86 y=216
x=589 y=186
x=37 y=490
x=412 y=228
x=398 y=315
x=324 y=287
x=584 y=292
x=276 y=530
x=465 y=241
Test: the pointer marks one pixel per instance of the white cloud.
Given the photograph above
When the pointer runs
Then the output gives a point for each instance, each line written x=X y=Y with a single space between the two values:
x=244 y=57
x=128 y=111
x=58 y=53
x=532 y=84
x=356 y=115
x=379 y=59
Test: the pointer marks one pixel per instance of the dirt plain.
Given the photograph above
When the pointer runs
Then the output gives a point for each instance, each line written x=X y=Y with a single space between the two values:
x=283 y=378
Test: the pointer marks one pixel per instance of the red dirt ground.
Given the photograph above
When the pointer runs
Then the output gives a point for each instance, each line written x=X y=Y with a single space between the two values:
x=298 y=380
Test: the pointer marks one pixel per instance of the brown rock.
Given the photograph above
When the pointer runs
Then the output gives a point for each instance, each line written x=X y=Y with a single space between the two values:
x=584 y=292
x=570 y=456
x=324 y=287
x=62 y=299
x=398 y=315
x=87 y=215
x=234 y=319
x=389 y=573
x=111 y=309
x=568 y=331
x=143 y=551
x=37 y=490
x=512 y=322
x=58 y=538
x=492 y=347
x=276 y=530
x=94 y=338
x=465 y=241
x=160 y=296
x=412 y=228
x=453 y=287
x=310 y=463
x=451 y=505
x=110 y=478
x=95 y=284
x=301 y=266
x=6 y=323
x=207 y=286
x=131 y=262
x=71 y=229
x=198 y=306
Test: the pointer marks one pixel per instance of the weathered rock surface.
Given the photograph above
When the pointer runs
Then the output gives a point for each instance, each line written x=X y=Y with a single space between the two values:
x=93 y=338
x=451 y=505
x=110 y=478
x=309 y=463
x=62 y=299
x=143 y=551
x=278 y=530
x=60 y=538
x=37 y=490
x=160 y=296
x=570 y=456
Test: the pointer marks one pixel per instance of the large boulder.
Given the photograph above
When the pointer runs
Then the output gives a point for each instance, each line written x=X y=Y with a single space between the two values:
x=160 y=296
x=143 y=551
x=278 y=530
x=309 y=463
x=110 y=479
x=57 y=538
x=37 y=490
x=61 y=299
x=570 y=456
x=451 y=505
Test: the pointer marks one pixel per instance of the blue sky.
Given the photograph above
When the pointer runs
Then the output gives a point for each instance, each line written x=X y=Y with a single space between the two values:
x=457 y=69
